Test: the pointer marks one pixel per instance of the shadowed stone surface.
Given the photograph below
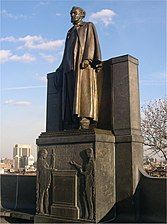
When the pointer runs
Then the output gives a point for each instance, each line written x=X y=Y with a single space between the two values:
x=149 y=200
x=18 y=192
x=126 y=124
x=54 y=111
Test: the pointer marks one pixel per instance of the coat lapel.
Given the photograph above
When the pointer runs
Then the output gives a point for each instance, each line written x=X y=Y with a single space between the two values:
x=81 y=31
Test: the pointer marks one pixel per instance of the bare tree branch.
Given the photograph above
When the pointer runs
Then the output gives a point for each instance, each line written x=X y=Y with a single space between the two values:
x=154 y=127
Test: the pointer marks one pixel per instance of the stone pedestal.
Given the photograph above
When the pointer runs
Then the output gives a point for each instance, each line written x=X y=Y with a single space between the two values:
x=54 y=106
x=126 y=124
x=118 y=156
x=69 y=146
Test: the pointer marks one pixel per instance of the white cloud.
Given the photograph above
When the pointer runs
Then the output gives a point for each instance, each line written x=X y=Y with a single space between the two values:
x=43 y=78
x=22 y=58
x=35 y=42
x=8 y=39
x=46 y=2
x=17 y=103
x=11 y=16
x=157 y=78
x=151 y=82
x=6 y=55
x=23 y=87
x=48 y=58
x=30 y=38
x=105 y=16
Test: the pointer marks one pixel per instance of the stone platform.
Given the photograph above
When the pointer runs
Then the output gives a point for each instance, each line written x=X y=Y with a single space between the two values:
x=69 y=146
x=117 y=143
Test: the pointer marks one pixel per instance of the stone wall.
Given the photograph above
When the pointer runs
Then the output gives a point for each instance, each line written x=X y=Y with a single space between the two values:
x=152 y=196
x=18 y=192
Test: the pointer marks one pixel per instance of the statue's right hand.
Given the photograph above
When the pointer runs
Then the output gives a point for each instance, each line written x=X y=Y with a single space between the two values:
x=72 y=163
x=85 y=64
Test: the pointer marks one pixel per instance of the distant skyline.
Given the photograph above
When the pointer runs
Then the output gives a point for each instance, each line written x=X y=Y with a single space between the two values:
x=32 y=43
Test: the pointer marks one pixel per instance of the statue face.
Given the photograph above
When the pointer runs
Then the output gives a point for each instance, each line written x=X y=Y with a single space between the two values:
x=89 y=152
x=45 y=154
x=76 y=16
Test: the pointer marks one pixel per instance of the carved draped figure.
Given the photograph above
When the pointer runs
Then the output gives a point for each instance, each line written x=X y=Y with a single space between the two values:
x=79 y=86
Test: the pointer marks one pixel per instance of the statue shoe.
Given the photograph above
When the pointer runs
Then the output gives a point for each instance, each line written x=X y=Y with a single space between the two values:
x=84 y=123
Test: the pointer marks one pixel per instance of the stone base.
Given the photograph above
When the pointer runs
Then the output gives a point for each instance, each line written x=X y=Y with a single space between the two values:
x=65 y=211
x=51 y=219
x=69 y=146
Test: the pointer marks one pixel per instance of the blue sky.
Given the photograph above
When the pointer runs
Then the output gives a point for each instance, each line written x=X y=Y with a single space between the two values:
x=32 y=43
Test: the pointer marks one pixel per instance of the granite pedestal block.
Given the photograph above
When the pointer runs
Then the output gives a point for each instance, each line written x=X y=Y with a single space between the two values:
x=117 y=155
x=126 y=124
x=69 y=146
x=54 y=105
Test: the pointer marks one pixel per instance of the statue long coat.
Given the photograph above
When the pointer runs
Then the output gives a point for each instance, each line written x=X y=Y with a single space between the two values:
x=79 y=86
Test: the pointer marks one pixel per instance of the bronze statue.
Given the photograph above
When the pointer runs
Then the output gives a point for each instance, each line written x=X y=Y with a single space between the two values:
x=43 y=182
x=86 y=186
x=78 y=73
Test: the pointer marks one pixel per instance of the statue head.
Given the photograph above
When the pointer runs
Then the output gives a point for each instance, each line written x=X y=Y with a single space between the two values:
x=77 y=14
x=89 y=152
x=42 y=153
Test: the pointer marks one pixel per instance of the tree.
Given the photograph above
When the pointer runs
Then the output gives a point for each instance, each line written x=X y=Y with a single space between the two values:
x=154 y=127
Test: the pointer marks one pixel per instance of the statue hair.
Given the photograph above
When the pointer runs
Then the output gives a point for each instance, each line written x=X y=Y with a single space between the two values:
x=41 y=152
x=80 y=9
x=90 y=151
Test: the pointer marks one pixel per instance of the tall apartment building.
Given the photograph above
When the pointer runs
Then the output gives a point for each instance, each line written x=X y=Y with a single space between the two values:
x=22 y=156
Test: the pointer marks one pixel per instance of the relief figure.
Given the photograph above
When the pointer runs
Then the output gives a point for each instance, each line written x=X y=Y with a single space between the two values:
x=86 y=182
x=43 y=182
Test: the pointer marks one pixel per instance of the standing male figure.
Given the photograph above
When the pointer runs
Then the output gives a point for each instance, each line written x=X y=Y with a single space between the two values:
x=78 y=72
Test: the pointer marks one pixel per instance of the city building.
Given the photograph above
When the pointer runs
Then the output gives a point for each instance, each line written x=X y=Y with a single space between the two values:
x=22 y=156
x=5 y=165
